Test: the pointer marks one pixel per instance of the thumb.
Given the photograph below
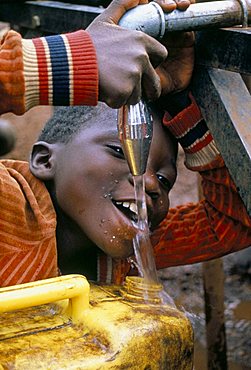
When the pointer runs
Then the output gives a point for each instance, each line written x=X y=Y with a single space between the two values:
x=118 y=8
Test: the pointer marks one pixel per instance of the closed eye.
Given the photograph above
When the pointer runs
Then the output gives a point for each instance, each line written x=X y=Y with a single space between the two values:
x=165 y=182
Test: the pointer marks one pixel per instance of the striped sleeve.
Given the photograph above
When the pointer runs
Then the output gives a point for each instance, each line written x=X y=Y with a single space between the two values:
x=27 y=227
x=11 y=74
x=60 y=70
x=213 y=227
x=53 y=70
x=191 y=131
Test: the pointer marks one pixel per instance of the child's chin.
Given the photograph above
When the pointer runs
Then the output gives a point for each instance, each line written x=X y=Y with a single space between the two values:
x=121 y=252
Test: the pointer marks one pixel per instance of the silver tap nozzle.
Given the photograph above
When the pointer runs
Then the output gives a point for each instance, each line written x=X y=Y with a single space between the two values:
x=135 y=126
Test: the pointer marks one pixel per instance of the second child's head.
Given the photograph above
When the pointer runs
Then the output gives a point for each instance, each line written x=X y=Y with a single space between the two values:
x=79 y=157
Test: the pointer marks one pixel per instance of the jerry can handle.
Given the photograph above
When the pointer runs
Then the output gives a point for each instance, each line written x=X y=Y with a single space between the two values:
x=73 y=287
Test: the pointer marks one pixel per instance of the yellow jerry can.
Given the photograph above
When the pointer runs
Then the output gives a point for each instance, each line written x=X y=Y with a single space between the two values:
x=67 y=323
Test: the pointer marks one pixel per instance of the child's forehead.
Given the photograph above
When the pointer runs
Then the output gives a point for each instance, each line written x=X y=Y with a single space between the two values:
x=105 y=117
x=109 y=117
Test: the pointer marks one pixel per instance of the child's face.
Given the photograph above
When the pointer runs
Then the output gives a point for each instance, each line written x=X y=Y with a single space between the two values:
x=94 y=186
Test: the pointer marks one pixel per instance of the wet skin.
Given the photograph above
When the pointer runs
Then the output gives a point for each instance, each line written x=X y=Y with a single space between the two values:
x=90 y=176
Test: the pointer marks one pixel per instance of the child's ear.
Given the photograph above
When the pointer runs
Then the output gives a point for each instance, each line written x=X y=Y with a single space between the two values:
x=42 y=160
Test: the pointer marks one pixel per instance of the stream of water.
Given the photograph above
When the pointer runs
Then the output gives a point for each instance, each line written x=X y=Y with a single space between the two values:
x=142 y=245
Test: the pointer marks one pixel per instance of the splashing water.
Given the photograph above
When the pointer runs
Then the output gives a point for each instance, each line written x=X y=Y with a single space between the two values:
x=142 y=245
x=135 y=128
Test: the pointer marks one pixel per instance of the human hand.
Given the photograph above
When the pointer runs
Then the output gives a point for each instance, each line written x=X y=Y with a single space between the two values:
x=170 y=5
x=176 y=71
x=126 y=58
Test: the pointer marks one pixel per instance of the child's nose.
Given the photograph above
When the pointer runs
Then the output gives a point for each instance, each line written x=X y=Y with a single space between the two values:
x=151 y=184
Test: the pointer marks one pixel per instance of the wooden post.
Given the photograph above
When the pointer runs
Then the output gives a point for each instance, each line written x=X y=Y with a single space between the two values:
x=213 y=282
x=213 y=279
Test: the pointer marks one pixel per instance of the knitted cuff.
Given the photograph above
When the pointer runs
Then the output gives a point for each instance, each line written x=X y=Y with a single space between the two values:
x=11 y=74
x=60 y=70
x=191 y=131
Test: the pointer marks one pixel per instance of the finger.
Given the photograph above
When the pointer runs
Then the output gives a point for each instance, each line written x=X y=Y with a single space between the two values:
x=135 y=96
x=183 y=4
x=151 y=86
x=167 y=5
x=166 y=81
x=128 y=94
x=170 y=5
x=156 y=51
x=117 y=9
x=179 y=39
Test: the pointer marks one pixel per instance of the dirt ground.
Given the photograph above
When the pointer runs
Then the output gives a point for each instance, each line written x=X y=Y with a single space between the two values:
x=184 y=284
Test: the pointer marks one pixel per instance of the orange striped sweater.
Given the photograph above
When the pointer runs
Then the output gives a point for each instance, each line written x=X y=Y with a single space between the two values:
x=191 y=233
x=27 y=226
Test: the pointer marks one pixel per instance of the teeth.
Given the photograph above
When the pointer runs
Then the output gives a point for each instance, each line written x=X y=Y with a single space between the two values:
x=131 y=206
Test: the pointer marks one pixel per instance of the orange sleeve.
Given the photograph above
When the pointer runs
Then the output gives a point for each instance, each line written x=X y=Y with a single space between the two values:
x=212 y=228
x=27 y=227
x=217 y=225
x=12 y=85
x=54 y=70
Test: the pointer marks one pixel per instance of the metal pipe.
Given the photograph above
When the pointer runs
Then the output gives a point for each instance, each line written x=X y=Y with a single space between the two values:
x=151 y=19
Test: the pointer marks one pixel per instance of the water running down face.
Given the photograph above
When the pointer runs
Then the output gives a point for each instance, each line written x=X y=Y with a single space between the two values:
x=94 y=188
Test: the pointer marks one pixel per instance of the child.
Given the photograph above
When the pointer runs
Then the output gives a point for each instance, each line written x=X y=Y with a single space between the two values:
x=73 y=208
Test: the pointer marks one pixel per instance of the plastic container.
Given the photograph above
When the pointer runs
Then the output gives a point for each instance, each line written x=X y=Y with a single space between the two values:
x=100 y=330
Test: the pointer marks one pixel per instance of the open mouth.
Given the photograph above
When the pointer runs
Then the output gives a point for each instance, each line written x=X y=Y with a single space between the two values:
x=129 y=209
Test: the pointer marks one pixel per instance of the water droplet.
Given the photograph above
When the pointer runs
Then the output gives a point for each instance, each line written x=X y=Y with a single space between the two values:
x=102 y=221
x=116 y=181
x=105 y=232
x=114 y=237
